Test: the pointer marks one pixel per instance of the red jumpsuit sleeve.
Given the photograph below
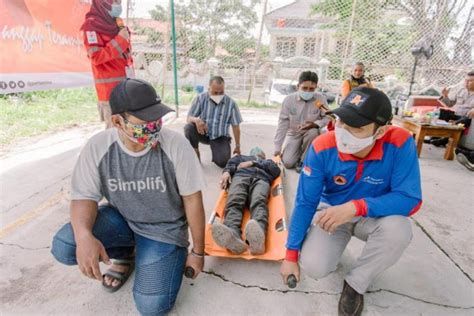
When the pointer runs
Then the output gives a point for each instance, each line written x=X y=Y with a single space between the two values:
x=114 y=49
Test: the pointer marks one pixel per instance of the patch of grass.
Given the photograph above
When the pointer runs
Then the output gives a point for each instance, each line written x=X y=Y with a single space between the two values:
x=33 y=113
x=185 y=98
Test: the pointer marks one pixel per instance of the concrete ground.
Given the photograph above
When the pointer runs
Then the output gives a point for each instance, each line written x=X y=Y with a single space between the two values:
x=434 y=276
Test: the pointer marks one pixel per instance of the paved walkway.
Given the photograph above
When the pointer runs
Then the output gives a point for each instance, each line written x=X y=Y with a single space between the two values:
x=434 y=277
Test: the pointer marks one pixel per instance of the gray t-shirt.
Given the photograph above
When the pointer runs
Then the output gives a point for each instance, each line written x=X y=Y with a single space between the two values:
x=146 y=187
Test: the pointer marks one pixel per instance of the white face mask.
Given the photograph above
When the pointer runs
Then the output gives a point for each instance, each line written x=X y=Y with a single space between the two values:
x=217 y=98
x=349 y=144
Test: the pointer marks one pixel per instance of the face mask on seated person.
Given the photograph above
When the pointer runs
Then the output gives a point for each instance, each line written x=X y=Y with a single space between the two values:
x=306 y=95
x=349 y=144
x=217 y=98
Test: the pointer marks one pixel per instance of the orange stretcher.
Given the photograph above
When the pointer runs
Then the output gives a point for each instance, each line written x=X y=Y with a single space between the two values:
x=277 y=232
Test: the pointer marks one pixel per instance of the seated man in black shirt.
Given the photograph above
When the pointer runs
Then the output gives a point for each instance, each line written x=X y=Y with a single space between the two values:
x=248 y=180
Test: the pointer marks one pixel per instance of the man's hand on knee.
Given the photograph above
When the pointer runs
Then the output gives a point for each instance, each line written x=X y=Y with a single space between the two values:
x=89 y=253
x=201 y=126
x=329 y=219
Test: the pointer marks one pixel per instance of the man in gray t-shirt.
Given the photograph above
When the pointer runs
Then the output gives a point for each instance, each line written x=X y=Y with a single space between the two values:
x=152 y=182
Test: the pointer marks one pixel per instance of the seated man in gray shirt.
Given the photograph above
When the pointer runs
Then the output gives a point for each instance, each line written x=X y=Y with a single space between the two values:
x=301 y=119
x=209 y=119
x=463 y=103
x=152 y=182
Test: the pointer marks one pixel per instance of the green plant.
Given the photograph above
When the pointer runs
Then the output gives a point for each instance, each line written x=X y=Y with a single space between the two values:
x=187 y=88
x=32 y=113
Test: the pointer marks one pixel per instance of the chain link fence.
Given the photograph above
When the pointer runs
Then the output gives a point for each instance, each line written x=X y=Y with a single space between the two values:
x=261 y=46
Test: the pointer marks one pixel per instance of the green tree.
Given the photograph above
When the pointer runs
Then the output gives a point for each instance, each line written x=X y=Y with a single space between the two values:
x=159 y=13
x=218 y=19
x=379 y=39
x=375 y=37
x=202 y=25
x=237 y=45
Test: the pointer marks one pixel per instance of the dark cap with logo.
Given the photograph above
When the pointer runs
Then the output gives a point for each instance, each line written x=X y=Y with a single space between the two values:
x=138 y=98
x=364 y=106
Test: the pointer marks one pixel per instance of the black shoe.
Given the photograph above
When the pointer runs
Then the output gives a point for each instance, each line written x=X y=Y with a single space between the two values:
x=351 y=303
x=441 y=142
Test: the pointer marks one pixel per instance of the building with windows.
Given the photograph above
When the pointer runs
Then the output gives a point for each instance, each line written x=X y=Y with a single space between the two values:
x=294 y=32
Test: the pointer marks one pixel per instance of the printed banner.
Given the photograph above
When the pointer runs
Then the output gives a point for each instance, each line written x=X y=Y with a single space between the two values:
x=41 y=46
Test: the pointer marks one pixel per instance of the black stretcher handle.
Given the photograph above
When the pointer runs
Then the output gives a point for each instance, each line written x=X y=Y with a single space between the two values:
x=291 y=280
x=189 y=272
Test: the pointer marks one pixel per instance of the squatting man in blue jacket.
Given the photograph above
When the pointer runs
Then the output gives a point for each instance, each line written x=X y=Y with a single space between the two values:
x=362 y=180
x=248 y=180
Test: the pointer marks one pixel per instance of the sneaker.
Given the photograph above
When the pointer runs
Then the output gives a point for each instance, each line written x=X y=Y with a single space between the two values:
x=351 y=303
x=255 y=236
x=227 y=238
x=462 y=159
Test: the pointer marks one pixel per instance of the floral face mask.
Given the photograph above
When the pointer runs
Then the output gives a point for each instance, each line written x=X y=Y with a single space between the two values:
x=145 y=134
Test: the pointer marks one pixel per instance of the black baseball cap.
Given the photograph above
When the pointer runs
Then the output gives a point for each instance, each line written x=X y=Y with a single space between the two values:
x=138 y=98
x=364 y=106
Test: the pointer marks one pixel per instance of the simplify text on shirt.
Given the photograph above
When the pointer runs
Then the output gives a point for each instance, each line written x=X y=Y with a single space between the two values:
x=150 y=184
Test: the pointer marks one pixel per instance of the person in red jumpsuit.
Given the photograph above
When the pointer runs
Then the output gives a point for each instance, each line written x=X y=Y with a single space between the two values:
x=108 y=47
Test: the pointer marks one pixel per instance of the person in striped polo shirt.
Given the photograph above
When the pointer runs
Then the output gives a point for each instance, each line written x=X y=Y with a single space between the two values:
x=209 y=119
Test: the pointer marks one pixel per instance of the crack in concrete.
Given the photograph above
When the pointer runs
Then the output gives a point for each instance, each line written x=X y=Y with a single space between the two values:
x=265 y=289
x=39 y=192
x=223 y=278
x=22 y=247
x=423 y=229
x=419 y=299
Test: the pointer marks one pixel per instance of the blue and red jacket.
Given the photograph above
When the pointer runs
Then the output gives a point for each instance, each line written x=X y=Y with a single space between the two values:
x=386 y=182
